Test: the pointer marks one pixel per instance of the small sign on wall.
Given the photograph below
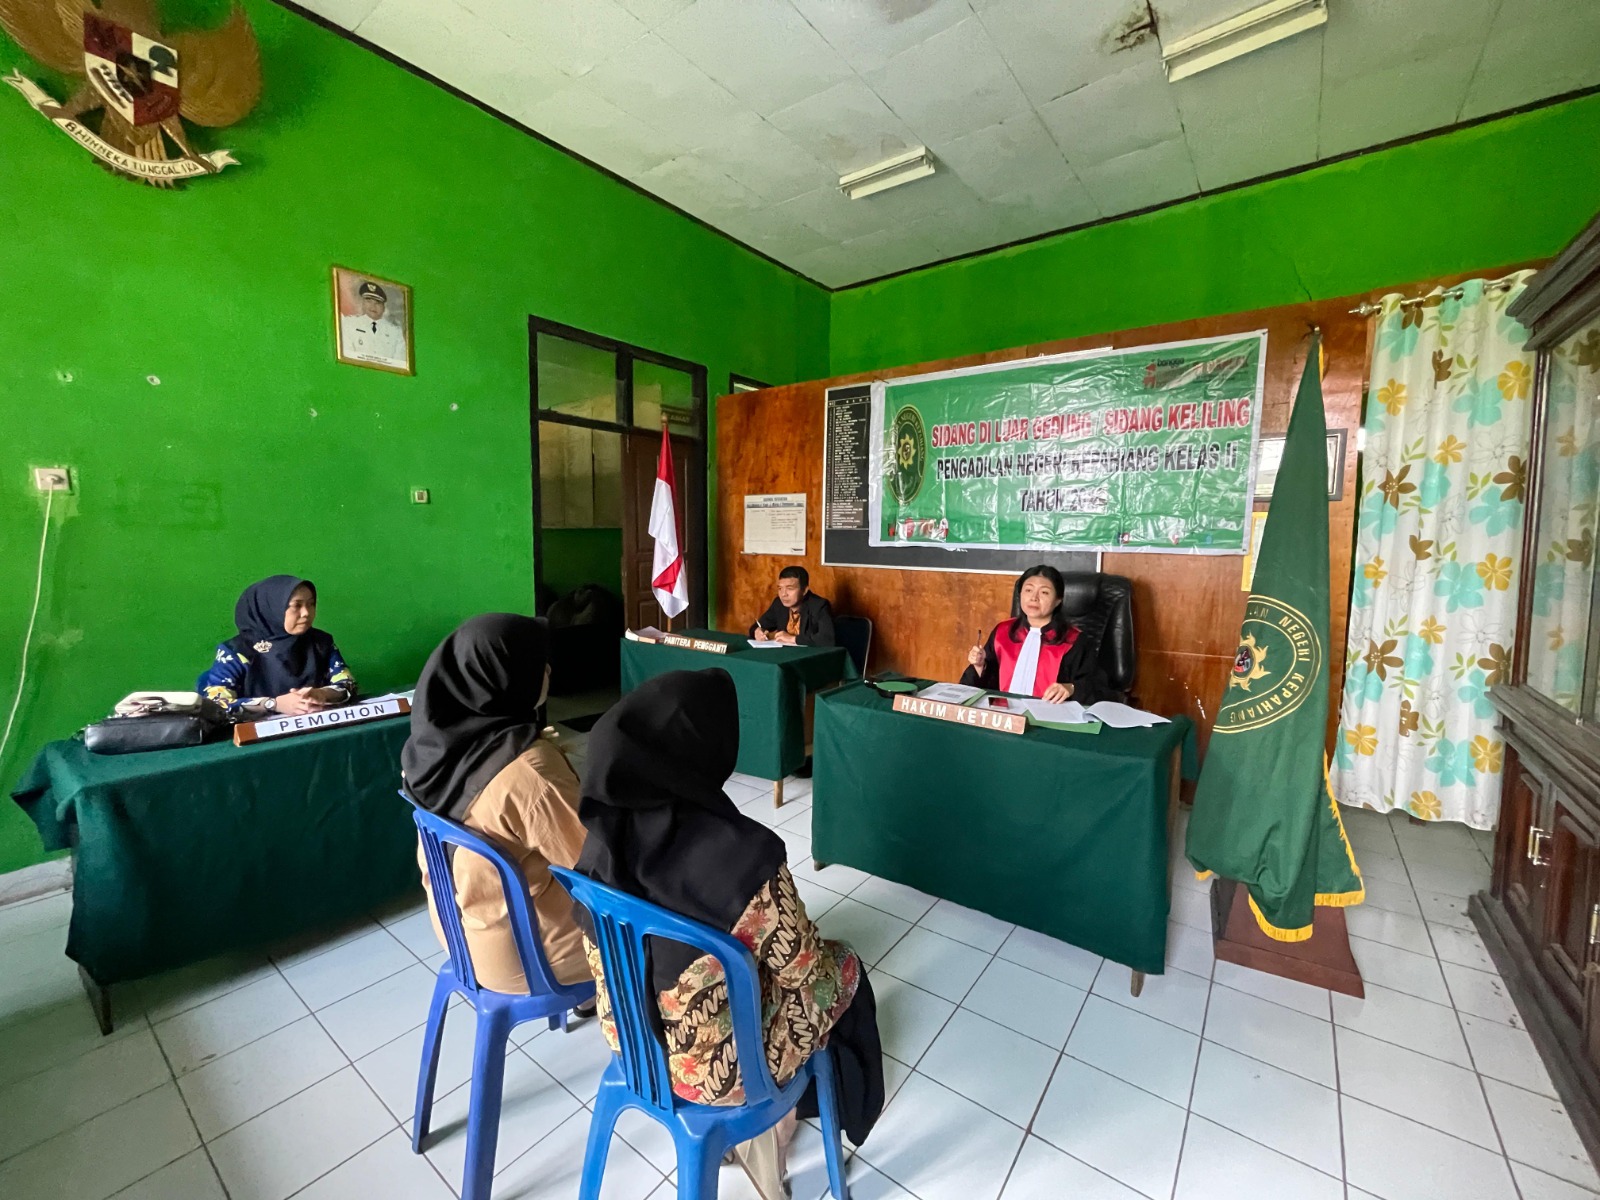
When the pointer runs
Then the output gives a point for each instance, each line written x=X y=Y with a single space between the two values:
x=775 y=524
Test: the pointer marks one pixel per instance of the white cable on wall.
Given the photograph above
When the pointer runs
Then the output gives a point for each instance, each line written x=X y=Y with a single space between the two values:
x=27 y=639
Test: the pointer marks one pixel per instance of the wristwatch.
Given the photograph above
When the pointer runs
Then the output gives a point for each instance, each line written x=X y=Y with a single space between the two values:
x=270 y=704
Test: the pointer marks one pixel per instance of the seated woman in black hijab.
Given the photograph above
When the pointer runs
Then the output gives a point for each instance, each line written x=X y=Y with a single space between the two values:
x=478 y=754
x=1039 y=652
x=661 y=828
x=277 y=665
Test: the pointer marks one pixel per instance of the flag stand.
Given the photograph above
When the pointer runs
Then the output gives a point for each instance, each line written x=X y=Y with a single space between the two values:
x=1323 y=960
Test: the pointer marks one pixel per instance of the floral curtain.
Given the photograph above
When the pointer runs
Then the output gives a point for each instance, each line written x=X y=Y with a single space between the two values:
x=1438 y=544
x=1563 y=573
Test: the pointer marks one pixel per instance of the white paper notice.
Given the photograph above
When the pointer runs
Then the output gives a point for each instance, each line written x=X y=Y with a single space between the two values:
x=755 y=645
x=949 y=693
x=775 y=524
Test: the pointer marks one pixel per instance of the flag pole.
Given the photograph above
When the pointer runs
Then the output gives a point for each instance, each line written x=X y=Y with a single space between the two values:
x=665 y=439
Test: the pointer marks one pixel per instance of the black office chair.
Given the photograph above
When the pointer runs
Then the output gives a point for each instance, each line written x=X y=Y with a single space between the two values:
x=855 y=635
x=1102 y=607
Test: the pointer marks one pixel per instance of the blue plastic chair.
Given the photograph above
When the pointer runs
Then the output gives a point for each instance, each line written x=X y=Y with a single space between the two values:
x=637 y=1076
x=498 y=1012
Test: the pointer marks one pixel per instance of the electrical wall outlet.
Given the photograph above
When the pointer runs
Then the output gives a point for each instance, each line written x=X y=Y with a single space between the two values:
x=52 y=479
x=419 y=495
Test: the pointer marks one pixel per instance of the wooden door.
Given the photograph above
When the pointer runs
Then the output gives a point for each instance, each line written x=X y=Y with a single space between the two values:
x=640 y=452
x=1524 y=821
x=1572 y=916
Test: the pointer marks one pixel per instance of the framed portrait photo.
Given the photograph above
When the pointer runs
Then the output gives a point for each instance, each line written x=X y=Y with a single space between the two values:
x=372 y=322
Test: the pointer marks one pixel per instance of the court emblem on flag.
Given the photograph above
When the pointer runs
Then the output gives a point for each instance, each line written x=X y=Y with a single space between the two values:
x=1275 y=668
x=910 y=442
x=1247 y=666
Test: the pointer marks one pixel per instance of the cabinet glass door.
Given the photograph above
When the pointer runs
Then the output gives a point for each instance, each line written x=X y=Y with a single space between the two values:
x=1562 y=645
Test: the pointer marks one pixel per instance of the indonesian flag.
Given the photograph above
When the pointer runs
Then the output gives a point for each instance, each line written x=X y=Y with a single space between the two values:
x=666 y=571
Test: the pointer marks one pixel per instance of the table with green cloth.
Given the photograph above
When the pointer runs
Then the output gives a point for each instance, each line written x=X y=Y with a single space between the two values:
x=1058 y=831
x=772 y=684
x=180 y=855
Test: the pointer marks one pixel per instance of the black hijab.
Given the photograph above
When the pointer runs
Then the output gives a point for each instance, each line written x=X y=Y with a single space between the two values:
x=476 y=709
x=277 y=660
x=660 y=826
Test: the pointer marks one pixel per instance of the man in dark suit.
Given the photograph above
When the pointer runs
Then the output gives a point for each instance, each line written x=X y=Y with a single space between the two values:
x=798 y=617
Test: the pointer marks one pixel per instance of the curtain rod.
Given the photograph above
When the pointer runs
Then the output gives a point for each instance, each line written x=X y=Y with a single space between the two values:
x=1367 y=308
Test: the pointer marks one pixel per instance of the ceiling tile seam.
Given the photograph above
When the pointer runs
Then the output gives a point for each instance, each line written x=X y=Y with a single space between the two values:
x=1033 y=108
x=483 y=106
x=1322 y=96
x=1483 y=50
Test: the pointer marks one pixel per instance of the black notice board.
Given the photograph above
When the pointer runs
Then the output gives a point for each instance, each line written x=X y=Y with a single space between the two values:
x=846 y=467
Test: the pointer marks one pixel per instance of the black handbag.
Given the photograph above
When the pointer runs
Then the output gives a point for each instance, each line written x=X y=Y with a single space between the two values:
x=158 y=730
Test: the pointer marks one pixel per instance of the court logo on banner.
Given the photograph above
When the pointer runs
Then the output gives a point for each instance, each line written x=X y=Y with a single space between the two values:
x=910 y=455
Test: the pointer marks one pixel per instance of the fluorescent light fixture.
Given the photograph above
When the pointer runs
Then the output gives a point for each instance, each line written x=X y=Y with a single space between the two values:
x=891 y=172
x=1227 y=40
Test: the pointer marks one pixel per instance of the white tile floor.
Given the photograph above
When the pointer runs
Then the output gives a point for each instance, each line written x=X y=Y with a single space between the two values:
x=1020 y=1067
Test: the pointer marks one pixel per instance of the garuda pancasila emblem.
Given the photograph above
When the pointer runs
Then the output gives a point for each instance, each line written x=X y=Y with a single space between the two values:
x=142 y=84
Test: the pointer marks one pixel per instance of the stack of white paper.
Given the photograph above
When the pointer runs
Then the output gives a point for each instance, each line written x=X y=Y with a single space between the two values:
x=950 y=693
x=764 y=645
x=1121 y=716
x=648 y=634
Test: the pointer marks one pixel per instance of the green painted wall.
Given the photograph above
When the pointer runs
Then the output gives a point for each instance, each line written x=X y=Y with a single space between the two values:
x=1498 y=193
x=257 y=453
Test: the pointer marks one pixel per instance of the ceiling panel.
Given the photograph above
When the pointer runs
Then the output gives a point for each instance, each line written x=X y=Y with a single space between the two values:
x=576 y=116
x=847 y=127
x=1370 y=35
x=654 y=12
x=975 y=87
x=1146 y=115
x=766 y=54
x=689 y=182
x=753 y=151
x=1142 y=179
x=1256 y=115
x=1536 y=48
x=1393 y=101
x=1003 y=158
x=653 y=82
x=1040 y=114
x=1053 y=49
x=868 y=33
x=448 y=41
x=577 y=36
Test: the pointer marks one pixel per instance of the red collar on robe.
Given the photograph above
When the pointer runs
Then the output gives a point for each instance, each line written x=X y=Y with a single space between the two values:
x=1051 y=651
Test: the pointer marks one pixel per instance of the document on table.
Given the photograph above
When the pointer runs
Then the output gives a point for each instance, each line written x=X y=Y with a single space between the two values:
x=764 y=645
x=1069 y=712
x=1121 y=716
x=648 y=634
x=950 y=693
x=408 y=696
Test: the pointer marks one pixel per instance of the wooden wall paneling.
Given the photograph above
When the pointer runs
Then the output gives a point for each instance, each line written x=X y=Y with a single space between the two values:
x=1187 y=608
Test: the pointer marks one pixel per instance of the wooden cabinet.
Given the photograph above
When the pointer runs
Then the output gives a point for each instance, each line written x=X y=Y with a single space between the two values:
x=1541 y=917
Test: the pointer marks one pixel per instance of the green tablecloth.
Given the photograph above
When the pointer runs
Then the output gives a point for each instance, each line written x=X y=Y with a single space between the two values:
x=1063 y=833
x=772 y=686
x=184 y=854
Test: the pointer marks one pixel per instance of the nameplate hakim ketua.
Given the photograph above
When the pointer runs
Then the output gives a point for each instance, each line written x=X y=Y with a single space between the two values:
x=333 y=718
x=689 y=643
x=979 y=718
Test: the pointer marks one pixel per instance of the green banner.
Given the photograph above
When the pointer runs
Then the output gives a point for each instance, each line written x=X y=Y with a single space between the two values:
x=1151 y=448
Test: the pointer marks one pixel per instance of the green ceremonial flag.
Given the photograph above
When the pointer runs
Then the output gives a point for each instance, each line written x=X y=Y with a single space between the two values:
x=1263 y=814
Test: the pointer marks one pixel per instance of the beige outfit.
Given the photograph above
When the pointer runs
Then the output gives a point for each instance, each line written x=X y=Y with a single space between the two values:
x=531 y=809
